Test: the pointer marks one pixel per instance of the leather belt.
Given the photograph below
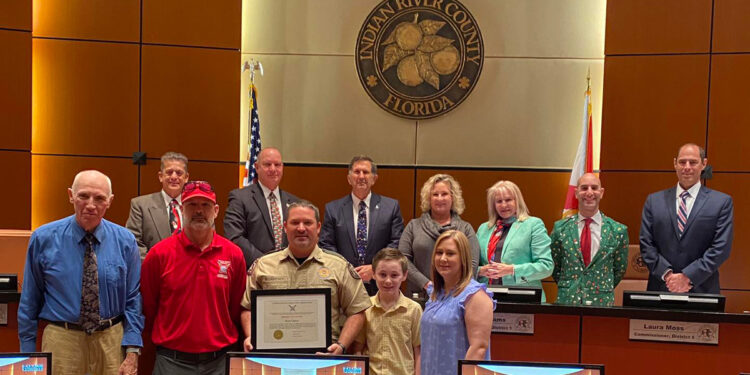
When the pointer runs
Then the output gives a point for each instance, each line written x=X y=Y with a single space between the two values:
x=103 y=324
x=191 y=357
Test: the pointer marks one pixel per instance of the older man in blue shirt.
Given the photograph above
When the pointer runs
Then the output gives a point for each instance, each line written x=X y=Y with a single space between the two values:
x=82 y=276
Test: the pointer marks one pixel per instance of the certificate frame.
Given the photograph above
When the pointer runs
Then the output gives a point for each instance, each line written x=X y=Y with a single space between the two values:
x=276 y=329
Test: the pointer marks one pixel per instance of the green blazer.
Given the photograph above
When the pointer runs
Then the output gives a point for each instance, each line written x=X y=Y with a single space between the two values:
x=526 y=247
x=577 y=284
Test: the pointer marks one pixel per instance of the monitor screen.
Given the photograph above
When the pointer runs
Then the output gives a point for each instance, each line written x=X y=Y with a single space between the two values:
x=295 y=364
x=526 y=368
x=26 y=363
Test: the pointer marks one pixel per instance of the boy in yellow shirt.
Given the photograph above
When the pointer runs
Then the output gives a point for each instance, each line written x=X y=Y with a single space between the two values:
x=391 y=335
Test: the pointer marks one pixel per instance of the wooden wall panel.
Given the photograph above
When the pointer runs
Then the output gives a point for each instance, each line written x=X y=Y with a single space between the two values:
x=193 y=22
x=731 y=33
x=738 y=301
x=555 y=339
x=15 y=14
x=85 y=19
x=49 y=200
x=734 y=272
x=15 y=89
x=13 y=245
x=665 y=26
x=84 y=98
x=221 y=176
x=16 y=167
x=625 y=194
x=729 y=113
x=190 y=101
x=652 y=105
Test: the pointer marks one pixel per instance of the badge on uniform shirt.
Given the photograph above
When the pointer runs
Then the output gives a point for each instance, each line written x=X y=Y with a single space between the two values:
x=223 y=268
x=252 y=268
x=324 y=273
x=353 y=272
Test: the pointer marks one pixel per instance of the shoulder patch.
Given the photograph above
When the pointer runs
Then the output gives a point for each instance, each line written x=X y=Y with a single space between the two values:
x=352 y=271
x=252 y=268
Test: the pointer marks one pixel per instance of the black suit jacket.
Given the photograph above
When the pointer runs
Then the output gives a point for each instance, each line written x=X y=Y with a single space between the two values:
x=703 y=246
x=247 y=221
x=384 y=228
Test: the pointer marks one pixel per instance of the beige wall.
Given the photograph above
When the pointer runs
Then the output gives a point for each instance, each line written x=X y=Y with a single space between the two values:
x=312 y=106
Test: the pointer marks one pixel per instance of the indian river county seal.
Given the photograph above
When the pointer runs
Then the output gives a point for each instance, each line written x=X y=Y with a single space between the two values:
x=419 y=59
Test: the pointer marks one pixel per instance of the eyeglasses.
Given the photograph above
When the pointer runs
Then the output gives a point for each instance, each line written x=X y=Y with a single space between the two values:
x=200 y=185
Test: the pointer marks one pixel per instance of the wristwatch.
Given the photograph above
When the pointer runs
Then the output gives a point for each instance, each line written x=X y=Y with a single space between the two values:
x=343 y=348
x=133 y=349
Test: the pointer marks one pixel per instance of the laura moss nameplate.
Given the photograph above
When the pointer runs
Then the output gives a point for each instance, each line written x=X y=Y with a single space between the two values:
x=671 y=331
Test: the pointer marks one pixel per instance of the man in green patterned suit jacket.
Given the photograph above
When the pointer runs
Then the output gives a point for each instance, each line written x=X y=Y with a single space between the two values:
x=590 y=250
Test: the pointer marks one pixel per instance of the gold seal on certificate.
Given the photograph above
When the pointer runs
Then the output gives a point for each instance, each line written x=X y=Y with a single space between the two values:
x=291 y=320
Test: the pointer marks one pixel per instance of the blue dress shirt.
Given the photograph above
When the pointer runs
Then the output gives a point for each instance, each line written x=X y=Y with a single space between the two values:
x=54 y=272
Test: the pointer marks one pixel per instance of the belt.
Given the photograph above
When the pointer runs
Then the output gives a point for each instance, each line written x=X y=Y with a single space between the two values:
x=191 y=357
x=103 y=324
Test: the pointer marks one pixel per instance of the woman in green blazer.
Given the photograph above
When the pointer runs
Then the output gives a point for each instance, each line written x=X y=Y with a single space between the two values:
x=517 y=252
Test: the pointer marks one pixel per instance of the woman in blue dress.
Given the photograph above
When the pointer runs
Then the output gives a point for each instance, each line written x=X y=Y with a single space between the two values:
x=457 y=319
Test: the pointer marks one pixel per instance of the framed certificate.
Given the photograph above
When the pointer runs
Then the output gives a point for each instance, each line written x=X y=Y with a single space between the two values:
x=291 y=320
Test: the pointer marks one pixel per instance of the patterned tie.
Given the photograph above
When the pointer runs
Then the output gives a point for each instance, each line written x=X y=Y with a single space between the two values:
x=90 y=288
x=174 y=216
x=586 y=241
x=682 y=212
x=275 y=221
x=362 y=232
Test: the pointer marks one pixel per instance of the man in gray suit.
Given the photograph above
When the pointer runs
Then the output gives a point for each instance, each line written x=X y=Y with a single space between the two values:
x=687 y=230
x=255 y=214
x=362 y=223
x=154 y=217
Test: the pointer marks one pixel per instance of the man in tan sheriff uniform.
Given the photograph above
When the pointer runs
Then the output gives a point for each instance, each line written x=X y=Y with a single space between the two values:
x=304 y=265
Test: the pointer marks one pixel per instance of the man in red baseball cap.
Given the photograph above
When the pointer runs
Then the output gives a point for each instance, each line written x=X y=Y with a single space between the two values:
x=192 y=284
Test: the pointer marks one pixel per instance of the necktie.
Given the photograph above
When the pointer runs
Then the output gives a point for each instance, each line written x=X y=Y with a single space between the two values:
x=174 y=216
x=362 y=232
x=495 y=247
x=275 y=221
x=586 y=241
x=682 y=212
x=90 y=288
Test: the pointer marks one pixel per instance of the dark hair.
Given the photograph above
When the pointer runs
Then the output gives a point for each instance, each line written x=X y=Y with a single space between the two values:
x=363 y=158
x=390 y=253
x=305 y=204
x=176 y=156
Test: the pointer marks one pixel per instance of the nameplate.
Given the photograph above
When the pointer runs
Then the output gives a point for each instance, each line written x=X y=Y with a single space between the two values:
x=513 y=323
x=670 y=331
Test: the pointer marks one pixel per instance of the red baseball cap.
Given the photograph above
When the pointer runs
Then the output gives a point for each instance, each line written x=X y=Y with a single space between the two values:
x=195 y=189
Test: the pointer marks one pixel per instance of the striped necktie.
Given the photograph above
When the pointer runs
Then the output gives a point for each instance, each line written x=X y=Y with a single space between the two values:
x=682 y=213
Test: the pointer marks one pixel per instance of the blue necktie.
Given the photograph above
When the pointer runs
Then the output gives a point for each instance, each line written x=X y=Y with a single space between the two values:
x=682 y=212
x=362 y=232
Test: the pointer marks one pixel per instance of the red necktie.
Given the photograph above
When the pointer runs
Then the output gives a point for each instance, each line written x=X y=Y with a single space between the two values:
x=586 y=241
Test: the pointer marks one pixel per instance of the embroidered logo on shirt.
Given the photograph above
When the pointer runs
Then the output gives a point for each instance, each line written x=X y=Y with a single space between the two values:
x=223 y=269
x=324 y=273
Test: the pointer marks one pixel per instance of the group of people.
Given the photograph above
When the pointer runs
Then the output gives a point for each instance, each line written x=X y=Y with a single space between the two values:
x=97 y=284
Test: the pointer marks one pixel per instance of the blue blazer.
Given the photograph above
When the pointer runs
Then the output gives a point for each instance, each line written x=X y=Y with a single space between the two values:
x=526 y=247
x=703 y=247
x=384 y=228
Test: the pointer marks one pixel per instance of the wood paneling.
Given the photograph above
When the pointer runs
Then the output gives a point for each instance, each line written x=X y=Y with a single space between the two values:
x=9 y=334
x=13 y=245
x=84 y=19
x=734 y=272
x=15 y=14
x=738 y=301
x=15 y=89
x=731 y=33
x=664 y=26
x=555 y=339
x=190 y=101
x=221 y=176
x=652 y=105
x=729 y=113
x=193 y=22
x=49 y=200
x=84 y=98
x=16 y=167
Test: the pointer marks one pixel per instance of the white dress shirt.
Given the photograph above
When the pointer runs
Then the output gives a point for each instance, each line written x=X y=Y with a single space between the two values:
x=277 y=194
x=168 y=200
x=689 y=201
x=596 y=231
x=355 y=209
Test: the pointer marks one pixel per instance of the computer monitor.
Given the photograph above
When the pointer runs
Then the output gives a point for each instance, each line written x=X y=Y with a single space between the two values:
x=298 y=364
x=677 y=301
x=466 y=367
x=26 y=363
x=517 y=294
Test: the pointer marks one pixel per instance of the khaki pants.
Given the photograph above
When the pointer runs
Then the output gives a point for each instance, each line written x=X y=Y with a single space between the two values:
x=76 y=353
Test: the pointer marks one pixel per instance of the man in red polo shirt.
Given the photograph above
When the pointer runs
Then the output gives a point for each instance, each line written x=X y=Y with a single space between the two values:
x=192 y=283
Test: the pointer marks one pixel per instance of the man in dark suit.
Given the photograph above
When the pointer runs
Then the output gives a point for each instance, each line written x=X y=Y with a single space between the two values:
x=687 y=230
x=255 y=214
x=154 y=217
x=362 y=223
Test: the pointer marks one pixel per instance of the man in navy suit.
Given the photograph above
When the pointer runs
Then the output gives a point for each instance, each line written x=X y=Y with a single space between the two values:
x=254 y=219
x=362 y=223
x=687 y=230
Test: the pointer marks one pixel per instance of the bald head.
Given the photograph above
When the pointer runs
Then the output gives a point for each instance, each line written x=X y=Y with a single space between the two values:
x=91 y=175
x=589 y=178
x=589 y=193
x=91 y=195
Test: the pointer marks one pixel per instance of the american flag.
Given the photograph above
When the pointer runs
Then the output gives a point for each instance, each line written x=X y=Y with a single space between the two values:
x=253 y=138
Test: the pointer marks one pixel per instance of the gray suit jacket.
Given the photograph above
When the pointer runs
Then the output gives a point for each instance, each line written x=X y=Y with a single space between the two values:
x=247 y=221
x=384 y=228
x=148 y=221
x=703 y=247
